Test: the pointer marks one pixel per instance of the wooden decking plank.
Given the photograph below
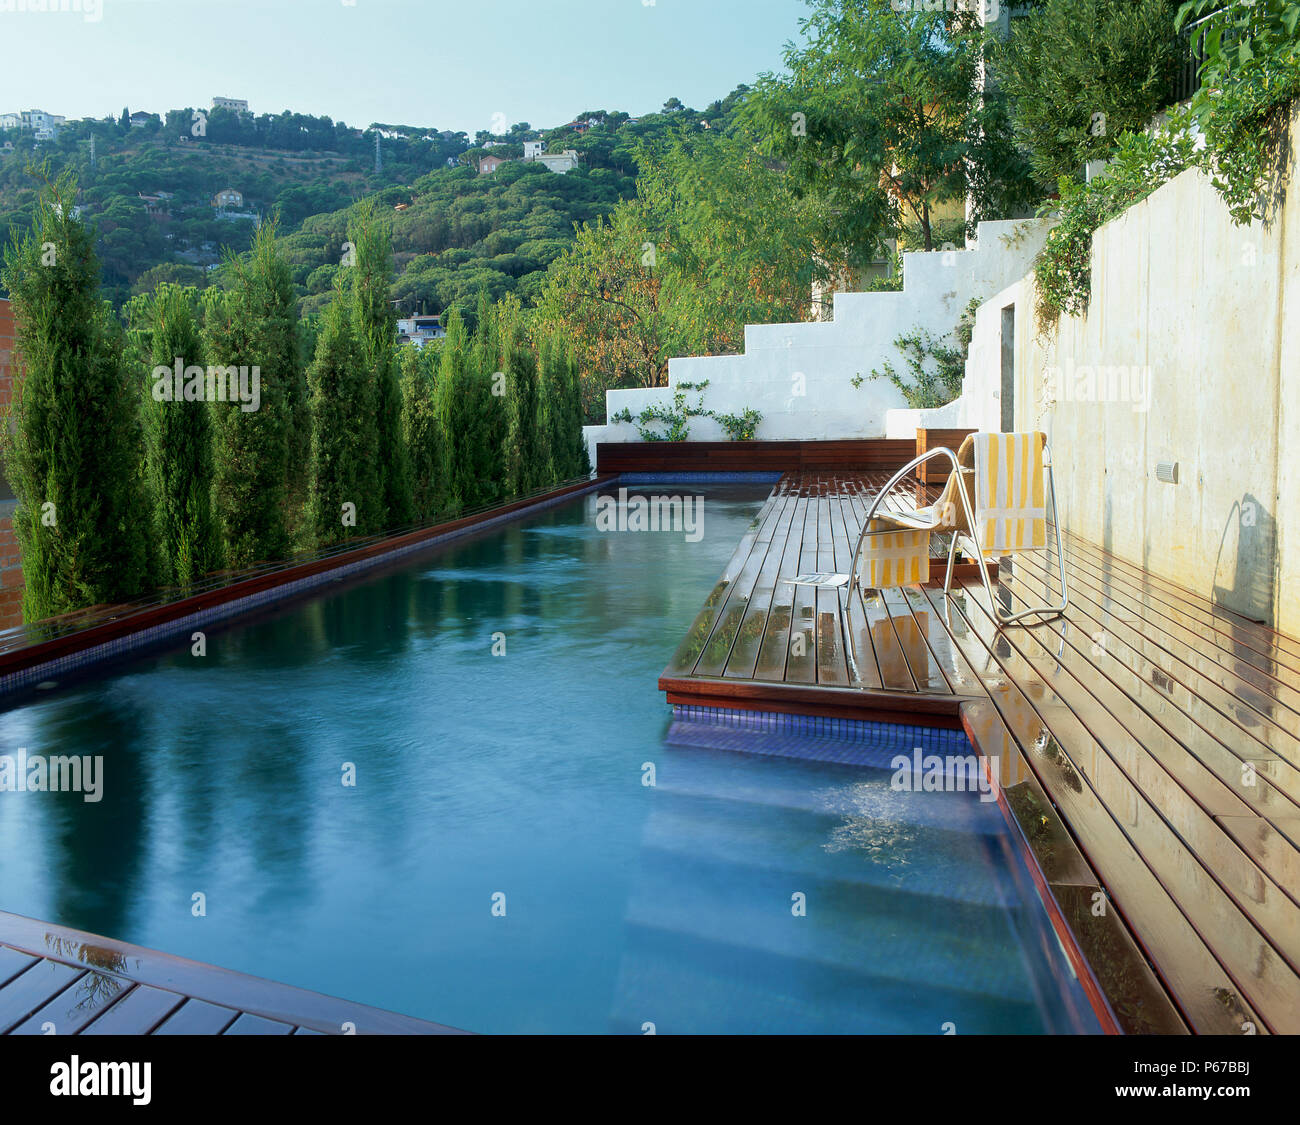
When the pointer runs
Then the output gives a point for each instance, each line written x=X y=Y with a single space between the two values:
x=1183 y=621
x=1267 y=846
x=717 y=649
x=74 y=1007
x=32 y=988
x=1268 y=785
x=688 y=652
x=13 y=962
x=1258 y=967
x=774 y=649
x=137 y=1012
x=1247 y=699
x=1273 y=911
x=1236 y=631
x=257 y=1025
x=801 y=662
x=749 y=638
x=864 y=670
x=832 y=658
x=197 y=1017
x=1208 y=998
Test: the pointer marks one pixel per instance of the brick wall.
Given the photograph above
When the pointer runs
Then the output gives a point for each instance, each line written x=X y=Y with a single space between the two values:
x=11 y=574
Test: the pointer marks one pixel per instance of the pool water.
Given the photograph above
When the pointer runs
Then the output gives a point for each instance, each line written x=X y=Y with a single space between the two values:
x=499 y=864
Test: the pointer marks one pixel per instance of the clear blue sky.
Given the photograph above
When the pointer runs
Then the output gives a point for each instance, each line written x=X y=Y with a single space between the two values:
x=453 y=65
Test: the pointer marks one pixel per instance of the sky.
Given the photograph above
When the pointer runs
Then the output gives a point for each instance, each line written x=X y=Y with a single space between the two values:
x=451 y=65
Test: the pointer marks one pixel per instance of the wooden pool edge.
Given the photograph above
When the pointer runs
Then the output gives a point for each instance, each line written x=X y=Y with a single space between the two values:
x=197 y=980
x=132 y=624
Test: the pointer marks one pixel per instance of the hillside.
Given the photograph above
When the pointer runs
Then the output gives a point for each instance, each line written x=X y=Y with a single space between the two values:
x=455 y=232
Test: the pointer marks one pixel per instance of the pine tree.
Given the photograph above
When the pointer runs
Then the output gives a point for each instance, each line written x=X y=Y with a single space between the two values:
x=423 y=436
x=377 y=335
x=253 y=323
x=72 y=440
x=178 y=438
x=345 y=501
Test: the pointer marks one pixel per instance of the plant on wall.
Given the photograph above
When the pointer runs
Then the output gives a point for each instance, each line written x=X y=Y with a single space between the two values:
x=738 y=427
x=934 y=369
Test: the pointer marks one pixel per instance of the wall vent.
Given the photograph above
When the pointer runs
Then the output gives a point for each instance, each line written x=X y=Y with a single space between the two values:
x=1167 y=471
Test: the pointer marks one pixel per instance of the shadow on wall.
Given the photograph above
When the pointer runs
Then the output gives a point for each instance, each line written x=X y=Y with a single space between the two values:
x=1250 y=591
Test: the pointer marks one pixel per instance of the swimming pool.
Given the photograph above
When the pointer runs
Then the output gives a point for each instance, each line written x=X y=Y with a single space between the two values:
x=500 y=864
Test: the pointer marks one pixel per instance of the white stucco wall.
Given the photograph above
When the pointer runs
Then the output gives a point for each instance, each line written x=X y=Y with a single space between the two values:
x=800 y=375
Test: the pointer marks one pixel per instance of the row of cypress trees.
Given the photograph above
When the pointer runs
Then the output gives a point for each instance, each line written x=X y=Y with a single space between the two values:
x=121 y=488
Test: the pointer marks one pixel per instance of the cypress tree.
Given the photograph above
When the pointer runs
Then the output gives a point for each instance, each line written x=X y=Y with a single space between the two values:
x=467 y=409
x=253 y=323
x=73 y=457
x=377 y=335
x=344 y=435
x=423 y=436
x=526 y=457
x=178 y=440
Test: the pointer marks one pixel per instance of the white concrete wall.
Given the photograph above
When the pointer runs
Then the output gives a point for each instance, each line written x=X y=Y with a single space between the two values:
x=800 y=375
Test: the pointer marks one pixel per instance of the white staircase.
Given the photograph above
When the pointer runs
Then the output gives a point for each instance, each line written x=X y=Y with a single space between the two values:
x=800 y=376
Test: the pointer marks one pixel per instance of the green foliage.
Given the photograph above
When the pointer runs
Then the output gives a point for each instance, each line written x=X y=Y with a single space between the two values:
x=177 y=438
x=424 y=437
x=881 y=117
x=676 y=418
x=934 y=369
x=1080 y=73
x=473 y=418
x=252 y=322
x=1250 y=78
x=1142 y=163
x=72 y=442
x=344 y=434
x=377 y=336
x=527 y=460
x=563 y=394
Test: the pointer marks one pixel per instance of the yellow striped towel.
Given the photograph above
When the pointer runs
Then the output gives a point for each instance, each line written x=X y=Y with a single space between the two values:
x=1010 y=493
x=895 y=558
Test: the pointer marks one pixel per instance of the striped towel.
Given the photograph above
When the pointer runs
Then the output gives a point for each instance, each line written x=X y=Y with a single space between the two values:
x=1010 y=493
x=896 y=558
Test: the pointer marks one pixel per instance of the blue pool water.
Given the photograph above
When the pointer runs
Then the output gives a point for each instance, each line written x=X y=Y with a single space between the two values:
x=518 y=774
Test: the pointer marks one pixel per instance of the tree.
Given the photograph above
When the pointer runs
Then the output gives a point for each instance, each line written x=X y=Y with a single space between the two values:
x=882 y=117
x=424 y=438
x=563 y=397
x=345 y=500
x=527 y=455
x=178 y=439
x=377 y=337
x=1079 y=73
x=472 y=417
x=251 y=325
x=72 y=439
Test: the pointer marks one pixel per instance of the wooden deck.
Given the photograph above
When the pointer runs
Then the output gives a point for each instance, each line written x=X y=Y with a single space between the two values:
x=1149 y=742
x=66 y=982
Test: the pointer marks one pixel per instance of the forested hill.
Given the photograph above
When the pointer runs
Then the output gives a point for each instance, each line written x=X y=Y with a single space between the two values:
x=455 y=232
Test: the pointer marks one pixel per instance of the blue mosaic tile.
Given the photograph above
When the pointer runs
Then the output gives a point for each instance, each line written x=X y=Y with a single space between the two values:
x=859 y=742
x=182 y=626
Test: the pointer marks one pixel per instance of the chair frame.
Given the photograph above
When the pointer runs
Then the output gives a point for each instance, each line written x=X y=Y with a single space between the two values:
x=1045 y=611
